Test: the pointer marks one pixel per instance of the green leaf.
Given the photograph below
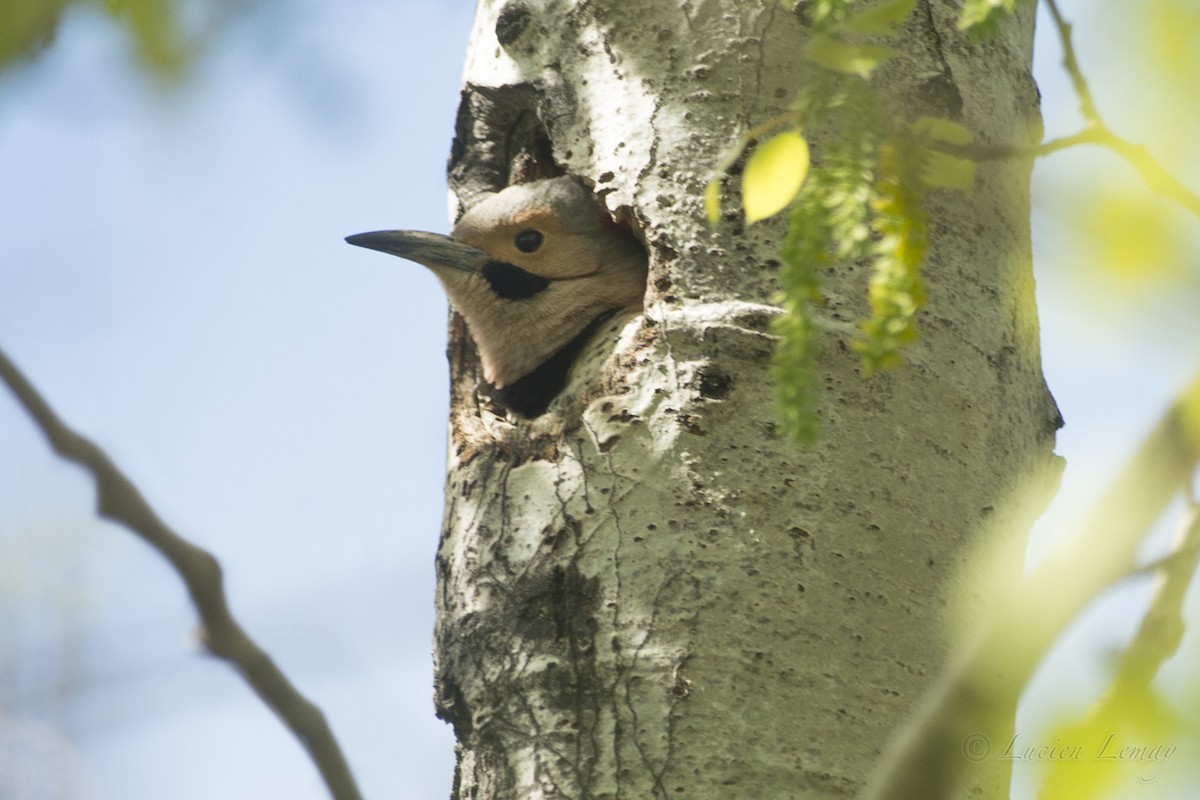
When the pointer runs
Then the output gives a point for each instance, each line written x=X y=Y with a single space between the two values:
x=793 y=370
x=940 y=129
x=712 y=201
x=774 y=174
x=980 y=17
x=839 y=56
x=880 y=20
x=26 y=27
x=152 y=26
x=895 y=291
x=945 y=171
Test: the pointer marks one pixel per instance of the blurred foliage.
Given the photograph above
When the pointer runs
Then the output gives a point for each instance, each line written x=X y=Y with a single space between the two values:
x=1129 y=739
x=27 y=27
x=1133 y=733
x=1130 y=236
x=979 y=18
x=153 y=27
x=1171 y=38
x=1117 y=746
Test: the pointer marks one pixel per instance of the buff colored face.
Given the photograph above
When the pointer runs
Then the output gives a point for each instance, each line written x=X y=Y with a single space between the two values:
x=532 y=269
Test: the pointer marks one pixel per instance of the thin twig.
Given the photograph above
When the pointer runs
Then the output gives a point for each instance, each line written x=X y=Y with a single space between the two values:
x=1087 y=105
x=734 y=153
x=118 y=500
x=1158 y=179
x=997 y=152
x=1154 y=175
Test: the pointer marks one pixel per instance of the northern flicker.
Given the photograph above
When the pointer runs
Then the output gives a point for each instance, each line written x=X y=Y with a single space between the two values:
x=534 y=269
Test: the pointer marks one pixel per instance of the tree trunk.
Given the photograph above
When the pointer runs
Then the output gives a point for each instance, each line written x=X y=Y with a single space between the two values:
x=647 y=592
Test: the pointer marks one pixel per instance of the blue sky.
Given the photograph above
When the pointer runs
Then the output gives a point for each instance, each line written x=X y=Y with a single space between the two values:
x=173 y=278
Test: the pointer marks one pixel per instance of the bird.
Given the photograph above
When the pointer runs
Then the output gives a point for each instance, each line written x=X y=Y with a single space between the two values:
x=535 y=269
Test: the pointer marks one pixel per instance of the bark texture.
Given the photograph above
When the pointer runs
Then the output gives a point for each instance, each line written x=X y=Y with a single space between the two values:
x=647 y=592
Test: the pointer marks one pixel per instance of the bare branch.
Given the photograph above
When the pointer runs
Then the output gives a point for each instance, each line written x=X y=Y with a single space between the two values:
x=118 y=500
x=1153 y=174
x=1157 y=179
x=986 y=152
x=1086 y=104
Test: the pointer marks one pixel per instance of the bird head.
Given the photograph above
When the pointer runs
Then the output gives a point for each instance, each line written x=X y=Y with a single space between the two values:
x=534 y=269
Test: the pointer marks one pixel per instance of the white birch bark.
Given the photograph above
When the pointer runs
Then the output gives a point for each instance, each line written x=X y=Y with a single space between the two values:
x=647 y=592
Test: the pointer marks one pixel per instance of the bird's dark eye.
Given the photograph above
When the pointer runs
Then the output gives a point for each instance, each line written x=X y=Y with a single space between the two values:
x=528 y=241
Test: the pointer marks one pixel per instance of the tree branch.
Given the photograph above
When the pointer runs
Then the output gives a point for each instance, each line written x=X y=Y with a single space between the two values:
x=1153 y=174
x=118 y=500
x=1156 y=177
x=1087 y=106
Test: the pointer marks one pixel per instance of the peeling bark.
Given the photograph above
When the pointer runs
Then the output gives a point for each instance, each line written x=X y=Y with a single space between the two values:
x=647 y=592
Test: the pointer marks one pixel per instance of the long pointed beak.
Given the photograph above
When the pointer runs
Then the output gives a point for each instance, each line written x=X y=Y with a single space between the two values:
x=430 y=249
